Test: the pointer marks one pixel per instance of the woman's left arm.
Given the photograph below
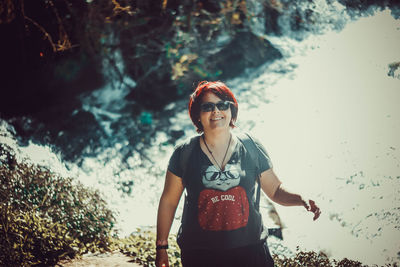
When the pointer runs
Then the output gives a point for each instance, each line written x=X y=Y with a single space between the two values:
x=274 y=189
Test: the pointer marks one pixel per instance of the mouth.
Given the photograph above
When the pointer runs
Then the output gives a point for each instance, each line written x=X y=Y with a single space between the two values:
x=216 y=118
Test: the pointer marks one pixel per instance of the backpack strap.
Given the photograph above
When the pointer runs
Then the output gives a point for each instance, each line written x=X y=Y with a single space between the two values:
x=187 y=148
x=253 y=150
x=247 y=141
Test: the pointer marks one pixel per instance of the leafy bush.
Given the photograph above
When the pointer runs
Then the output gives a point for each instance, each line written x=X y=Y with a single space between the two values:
x=141 y=246
x=45 y=217
x=30 y=240
x=311 y=259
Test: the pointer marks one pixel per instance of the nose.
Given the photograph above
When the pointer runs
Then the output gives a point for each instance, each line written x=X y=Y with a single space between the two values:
x=215 y=109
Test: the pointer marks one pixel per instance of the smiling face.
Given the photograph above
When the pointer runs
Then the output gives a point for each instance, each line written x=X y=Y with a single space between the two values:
x=216 y=119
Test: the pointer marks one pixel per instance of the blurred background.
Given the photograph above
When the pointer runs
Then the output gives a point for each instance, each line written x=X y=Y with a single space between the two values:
x=98 y=90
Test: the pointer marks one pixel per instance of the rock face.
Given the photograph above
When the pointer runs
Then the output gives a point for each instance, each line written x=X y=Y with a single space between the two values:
x=166 y=48
x=217 y=39
x=153 y=73
x=155 y=88
x=246 y=50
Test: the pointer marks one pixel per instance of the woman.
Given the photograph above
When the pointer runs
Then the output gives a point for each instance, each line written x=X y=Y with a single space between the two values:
x=221 y=225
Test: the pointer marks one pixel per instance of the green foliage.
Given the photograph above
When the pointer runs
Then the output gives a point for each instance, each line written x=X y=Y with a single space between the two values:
x=141 y=246
x=146 y=118
x=311 y=259
x=45 y=217
x=28 y=239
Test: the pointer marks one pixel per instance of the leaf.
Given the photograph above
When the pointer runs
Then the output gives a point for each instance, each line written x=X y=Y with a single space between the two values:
x=188 y=57
x=164 y=4
x=178 y=70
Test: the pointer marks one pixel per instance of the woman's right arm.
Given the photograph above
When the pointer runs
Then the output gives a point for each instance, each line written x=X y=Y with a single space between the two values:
x=173 y=189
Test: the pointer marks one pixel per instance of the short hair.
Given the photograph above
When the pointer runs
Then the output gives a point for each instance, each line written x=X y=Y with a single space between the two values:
x=219 y=89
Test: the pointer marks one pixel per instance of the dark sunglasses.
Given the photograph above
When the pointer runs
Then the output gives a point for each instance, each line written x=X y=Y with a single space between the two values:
x=209 y=106
x=212 y=176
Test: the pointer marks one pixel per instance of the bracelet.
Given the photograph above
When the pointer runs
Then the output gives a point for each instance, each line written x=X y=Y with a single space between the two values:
x=162 y=247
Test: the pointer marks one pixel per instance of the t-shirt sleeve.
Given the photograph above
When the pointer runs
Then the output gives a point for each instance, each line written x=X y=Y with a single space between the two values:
x=264 y=159
x=174 y=165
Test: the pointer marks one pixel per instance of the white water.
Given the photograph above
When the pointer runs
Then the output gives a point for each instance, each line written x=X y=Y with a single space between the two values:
x=333 y=131
x=331 y=126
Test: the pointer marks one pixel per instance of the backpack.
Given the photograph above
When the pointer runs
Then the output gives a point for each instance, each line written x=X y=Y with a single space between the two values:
x=253 y=150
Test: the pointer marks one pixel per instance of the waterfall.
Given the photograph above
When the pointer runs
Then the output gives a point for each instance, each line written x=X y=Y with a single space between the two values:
x=327 y=112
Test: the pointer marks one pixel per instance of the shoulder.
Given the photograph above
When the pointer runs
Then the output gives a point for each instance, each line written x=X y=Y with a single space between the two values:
x=180 y=156
x=249 y=140
x=258 y=143
x=188 y=142
x=253 y=145
x=184 y=148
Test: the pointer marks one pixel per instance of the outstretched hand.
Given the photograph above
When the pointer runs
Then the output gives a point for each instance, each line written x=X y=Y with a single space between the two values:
x=312 y=207
x=162 y=258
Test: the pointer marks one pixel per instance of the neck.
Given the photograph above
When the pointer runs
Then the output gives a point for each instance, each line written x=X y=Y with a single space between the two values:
x=216 y=138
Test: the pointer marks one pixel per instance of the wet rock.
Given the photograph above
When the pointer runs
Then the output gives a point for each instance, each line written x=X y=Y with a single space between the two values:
x=75 y=135
x=145 y=60
x=246 y=50
x=394 y=70
x=361 y=7
x=212 y=6
x=271 y=20
x=80 y=135
x=360 y=4
x=155 y=91
x=175 y=134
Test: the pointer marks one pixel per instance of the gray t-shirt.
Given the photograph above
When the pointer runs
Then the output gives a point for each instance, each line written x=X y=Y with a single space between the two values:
x=219 y=208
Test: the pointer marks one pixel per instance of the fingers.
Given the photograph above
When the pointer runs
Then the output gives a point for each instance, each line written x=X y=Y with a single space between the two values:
x=163 y=265
x=312 y=204
x=162 y=258
x=306 y=205
x=317 y=212
x=314 y=209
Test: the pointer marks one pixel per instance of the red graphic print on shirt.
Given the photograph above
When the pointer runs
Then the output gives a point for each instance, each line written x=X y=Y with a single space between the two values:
x=223 y=210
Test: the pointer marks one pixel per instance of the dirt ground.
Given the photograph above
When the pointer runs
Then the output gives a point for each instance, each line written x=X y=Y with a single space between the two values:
x=115 y=259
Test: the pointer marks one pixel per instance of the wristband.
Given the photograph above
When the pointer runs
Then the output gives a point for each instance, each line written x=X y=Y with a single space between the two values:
x=162 y=247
